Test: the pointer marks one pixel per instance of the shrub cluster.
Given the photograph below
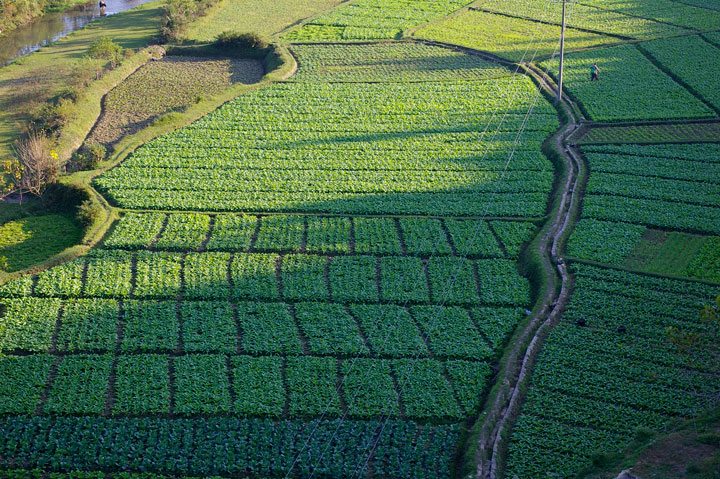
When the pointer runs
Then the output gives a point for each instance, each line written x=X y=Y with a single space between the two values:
x=178 y=14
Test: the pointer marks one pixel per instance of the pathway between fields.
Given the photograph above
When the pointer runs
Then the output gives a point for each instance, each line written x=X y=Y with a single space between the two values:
x=505 y=401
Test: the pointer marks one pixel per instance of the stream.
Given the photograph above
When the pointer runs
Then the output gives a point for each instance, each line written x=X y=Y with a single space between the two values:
x=54 y=25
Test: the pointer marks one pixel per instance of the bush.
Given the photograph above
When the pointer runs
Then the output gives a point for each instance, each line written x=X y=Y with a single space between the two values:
x=88 y=157
x=234 y=41
x=88 y=212
x=96 y=153
x=39 y=166
x=51 y=117
x=106 y=49
x=177 y=15
x=61 y=198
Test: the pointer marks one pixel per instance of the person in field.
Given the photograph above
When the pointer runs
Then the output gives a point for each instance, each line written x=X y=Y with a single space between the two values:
x=594 y=72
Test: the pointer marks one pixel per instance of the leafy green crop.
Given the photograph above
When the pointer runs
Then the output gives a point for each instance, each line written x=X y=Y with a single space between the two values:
x=623 y=93
x=88 y=325
x=202 y=384
x=142 y=384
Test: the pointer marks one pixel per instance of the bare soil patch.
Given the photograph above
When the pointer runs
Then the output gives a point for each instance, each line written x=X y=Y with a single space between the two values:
x=162 y=86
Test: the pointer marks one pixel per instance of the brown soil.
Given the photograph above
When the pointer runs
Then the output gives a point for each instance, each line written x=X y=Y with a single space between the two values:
x=167 y=85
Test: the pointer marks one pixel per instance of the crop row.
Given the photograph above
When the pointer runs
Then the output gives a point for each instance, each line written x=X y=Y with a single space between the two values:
x=676 y=132
x=382 y=125
x=373 y=19
x=317 y=234
x=299 y=277
x=421 y=236
x=269 y=386
x=595 y=385
x=378 y=62
x=707 y=153
x=101 y=325
x=228 y=446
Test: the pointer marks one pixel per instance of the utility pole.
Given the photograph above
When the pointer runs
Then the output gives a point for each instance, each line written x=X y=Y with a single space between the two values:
x=562 y=53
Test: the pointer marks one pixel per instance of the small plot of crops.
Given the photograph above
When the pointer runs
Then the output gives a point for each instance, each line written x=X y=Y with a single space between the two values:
x=594 y=386
x=693 y=61
x=390 y=62
x=585 y=15
x=373 y=19
x=631 y=87
x=507 y=37
x=655 y=251
x=162 y=86
x=430 y=148
x=245 y=320
x=666 y=186
x=679 y=133
x=666 y=11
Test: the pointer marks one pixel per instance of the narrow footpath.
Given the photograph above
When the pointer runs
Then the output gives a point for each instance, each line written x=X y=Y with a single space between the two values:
x=504 y=403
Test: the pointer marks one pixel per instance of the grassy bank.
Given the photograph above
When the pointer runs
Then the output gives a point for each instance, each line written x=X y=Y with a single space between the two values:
x=31 y=81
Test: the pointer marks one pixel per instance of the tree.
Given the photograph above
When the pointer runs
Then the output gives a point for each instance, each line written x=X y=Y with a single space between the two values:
x=38 y=163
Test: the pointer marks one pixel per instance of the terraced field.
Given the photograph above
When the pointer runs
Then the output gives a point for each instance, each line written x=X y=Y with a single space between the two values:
x=296 y=327
x=362 y=270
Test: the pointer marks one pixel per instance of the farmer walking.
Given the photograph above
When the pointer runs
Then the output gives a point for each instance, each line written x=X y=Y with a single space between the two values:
x=594 y=72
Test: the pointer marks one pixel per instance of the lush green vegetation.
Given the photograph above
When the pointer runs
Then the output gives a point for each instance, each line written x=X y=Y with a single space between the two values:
x=171 y=84
x=587 y=15
x=512 y=38
x=595 y=386
x=33 y=239
x=691 y=59
x=631 y=87
x=354 y=156
x=373 y=19
x=667 y=186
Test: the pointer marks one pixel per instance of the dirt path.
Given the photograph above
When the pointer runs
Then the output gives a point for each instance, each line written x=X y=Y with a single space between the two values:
x=505 y=403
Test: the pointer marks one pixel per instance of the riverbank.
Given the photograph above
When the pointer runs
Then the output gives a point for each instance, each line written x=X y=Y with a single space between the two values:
x=16 y=14
x=31 y=81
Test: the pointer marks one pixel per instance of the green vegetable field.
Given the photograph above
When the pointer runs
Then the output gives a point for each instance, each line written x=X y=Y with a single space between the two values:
x=395 y=255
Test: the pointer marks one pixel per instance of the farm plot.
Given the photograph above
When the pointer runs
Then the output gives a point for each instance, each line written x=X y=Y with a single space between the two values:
x=438 y=148
x=666 y=186
x=637 y=194
x=585 y=16
x=245 y=333
x=373 y=20
x=631 y=87
x=692 y=60
x=666 y=11
x=395 y=62
x=508 y=37
x=595 y=386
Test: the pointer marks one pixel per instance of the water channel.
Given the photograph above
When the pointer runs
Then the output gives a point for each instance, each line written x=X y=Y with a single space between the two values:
x=54 y=25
